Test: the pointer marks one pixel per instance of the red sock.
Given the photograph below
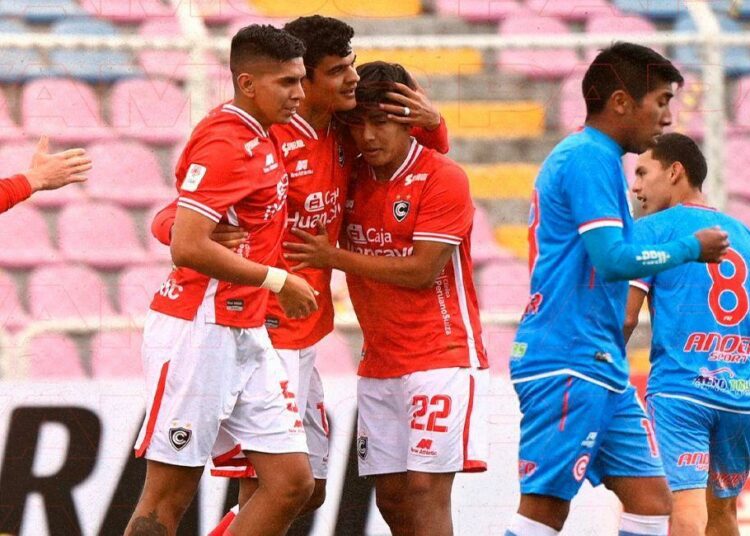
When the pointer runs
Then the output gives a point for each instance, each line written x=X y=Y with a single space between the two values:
x=222 y=529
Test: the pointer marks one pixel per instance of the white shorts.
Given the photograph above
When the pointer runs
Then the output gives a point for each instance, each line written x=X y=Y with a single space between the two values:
x=214 y=391
x=305 y=384
x=432 y=421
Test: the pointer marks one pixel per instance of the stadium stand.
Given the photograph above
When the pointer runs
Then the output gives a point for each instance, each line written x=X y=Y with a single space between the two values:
x=40 y=11
x=53 y=356
x=137 y=286
x=18 y=64
x=12 y=314
x=25 y=240
x=736 y=59
x=117 y=354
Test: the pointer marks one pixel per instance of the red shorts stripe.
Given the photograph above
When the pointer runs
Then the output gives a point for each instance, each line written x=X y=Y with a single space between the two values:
x=154 y=410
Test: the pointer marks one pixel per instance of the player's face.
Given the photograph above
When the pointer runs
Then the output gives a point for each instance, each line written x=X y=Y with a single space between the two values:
x=278 y=91
x=333 y=84
x=382 y=142
x=650 y=117
x=652 y=184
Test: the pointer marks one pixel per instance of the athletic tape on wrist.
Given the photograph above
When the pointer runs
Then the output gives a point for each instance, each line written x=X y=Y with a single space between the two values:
x=275 y=279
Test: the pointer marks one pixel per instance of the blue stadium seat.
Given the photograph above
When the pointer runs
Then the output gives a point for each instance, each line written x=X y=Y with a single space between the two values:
x=653 y=9
x=725 y=6
x=736 y=59
x=19 y=64
x=91 y=65
x=40 y=11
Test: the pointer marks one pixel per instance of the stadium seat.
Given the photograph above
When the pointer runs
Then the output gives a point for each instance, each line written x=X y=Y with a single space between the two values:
x=65 y=292
x=653 y=9
x=174 y=64
x=12 y=313
x=498 y=341
x=483 y=246
x=512 y=180
x=9 y=130
x=40 y=11
x=688 y=112
x=536 y=64
x=92 y=66
x=99 y=234
x=740 y=209
x=153 y=111
x=335 y=356
x=572 y=104
x=514 y=238
x=422 y=62
x=137 y=287
x=340 y=8
x=16 y=156
x=479 y=10
x=503 y=286
x=25 y=240
x=67 y=110
x=127 y=173
x=741 y=105
x=493 y=119
x=609 y=23
x=576 y=10
x=129 y=11
x=736 y=165
x=736 y=59
x=53 y=356
x=117 y=354
x=222 y=11
x=19 y=64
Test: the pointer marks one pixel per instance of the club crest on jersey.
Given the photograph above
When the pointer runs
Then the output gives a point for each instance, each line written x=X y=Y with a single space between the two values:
x=179 y=437
x=193 y=177
x=401 y=210
x=362 y=447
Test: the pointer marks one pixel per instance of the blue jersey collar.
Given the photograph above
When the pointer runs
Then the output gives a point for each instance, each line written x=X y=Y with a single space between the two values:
x=600 y=137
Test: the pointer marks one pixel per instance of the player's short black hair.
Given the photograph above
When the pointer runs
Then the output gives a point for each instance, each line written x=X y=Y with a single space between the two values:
x=674 y=147
x=376 y=78
x=625 y=66
x=263 y=41
x=322 y=36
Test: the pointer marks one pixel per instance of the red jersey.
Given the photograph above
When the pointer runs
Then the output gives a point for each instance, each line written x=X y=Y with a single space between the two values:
x=13 y=191
x=319 y=168
x=408 y=330
x=230 y=171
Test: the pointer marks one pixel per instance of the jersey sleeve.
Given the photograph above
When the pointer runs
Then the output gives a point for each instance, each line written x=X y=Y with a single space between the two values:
x=161 y=226
x=210 y=185
x=13 y=191
x=434 y=139
x=592 y=186
x=446 y=212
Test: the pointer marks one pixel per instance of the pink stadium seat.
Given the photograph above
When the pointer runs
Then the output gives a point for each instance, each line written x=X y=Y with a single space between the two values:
x=66 y=110
x=687 y=108
x=736 y=165
x=536 y=64
x=480 y=10
x=572 y=104
x=16 y=156
x=68 y=292
x=571 y=10
x=740 y=209
x=117 y=354
x=127 y=173
x=504 y=286
x=173 y=64
x=127 y=10
x=154 y=111
x=220 y=86
x=498 y=341
x=99 y=234
x=24 y=239
x=8 y=128
x=741 y=105
x=483 y=245
x=137 y=287
x=12 y=314
x=335 y=356
x=617 y=23
x=53 y=356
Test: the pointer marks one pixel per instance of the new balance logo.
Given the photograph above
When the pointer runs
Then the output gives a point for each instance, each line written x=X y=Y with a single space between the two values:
x=301 y=165
x=424 y=448
x=270 y=164
x=424 y=444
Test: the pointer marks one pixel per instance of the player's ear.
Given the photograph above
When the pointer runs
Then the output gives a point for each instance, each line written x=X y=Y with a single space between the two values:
x=620 y=102
x=676 y=173
x=246 y=85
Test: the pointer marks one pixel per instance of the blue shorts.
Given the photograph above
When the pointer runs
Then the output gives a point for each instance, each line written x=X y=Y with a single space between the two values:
x=701 y=445
x=573 y=429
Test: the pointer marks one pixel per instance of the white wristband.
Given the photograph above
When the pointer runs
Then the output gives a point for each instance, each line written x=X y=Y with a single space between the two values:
x=275 y=279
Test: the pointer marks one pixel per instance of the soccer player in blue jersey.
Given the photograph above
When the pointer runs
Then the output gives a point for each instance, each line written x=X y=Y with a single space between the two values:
x=581 y=418
x=699 y=385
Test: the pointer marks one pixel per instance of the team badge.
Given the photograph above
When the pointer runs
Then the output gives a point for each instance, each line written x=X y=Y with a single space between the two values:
x=193 y=177
x=179 y=437
x=362 y=447
x=401 y=210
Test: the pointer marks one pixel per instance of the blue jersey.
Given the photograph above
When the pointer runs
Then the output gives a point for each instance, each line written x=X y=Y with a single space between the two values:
x=573 y=323
x=701 y=326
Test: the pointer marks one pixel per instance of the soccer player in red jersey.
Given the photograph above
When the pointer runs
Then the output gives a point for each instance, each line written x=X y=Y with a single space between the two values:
x=318 y=155
x=47 y=172
x=216 y=384
x=405 y=248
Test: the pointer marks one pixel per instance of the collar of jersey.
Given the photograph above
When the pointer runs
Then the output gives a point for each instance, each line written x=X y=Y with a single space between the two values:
x=602 y=138
x=415 y=149
x=699 y=205
x=248 y=119
x=304 y=127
